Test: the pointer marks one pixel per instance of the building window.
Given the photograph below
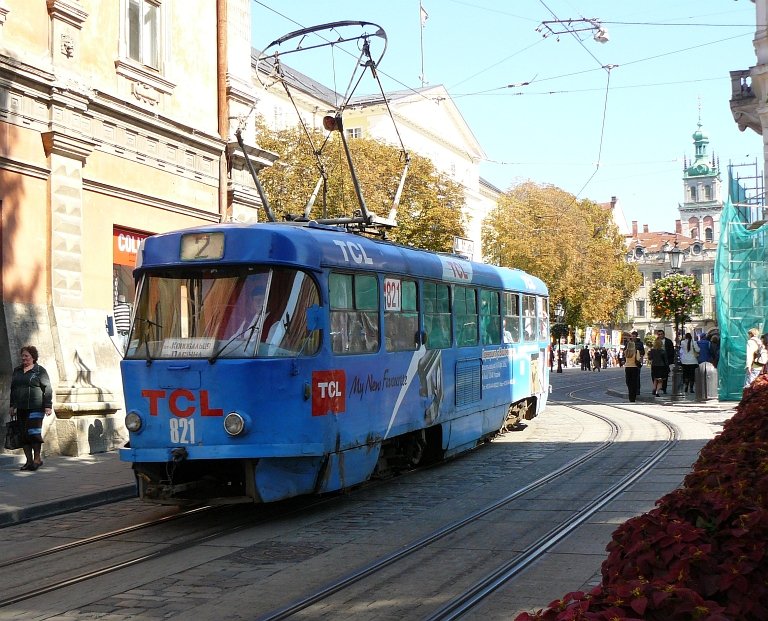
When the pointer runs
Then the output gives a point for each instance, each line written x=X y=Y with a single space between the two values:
x=639 y=308
x=698 y=309
x=712 y=275
x=354 y=132
x=697 y=275
x=708 y=192
x=713 y=302
x=709 y=235
x=692 y=192
x=655 y=276
x=144 y=32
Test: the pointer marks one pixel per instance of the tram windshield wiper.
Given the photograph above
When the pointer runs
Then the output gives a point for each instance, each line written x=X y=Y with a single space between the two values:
x=145 y=338
x=253 y=328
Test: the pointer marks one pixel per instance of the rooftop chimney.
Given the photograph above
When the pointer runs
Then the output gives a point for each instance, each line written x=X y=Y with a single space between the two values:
x=645 y=228
x=678 y=227
x=634 y=228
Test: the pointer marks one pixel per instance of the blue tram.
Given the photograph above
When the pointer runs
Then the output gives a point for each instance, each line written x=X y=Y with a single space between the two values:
x=272 y=360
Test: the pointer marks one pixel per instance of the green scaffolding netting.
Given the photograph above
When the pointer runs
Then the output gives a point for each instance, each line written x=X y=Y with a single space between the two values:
x=741 y=287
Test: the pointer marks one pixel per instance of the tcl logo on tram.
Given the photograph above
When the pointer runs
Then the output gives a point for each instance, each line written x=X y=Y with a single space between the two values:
x=181 y=402
x=328 y=392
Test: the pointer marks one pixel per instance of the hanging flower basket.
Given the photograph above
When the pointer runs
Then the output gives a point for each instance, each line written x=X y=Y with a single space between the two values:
x=675 y=297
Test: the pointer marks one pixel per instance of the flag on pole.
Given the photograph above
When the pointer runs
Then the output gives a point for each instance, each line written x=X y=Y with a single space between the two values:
x=424 y=15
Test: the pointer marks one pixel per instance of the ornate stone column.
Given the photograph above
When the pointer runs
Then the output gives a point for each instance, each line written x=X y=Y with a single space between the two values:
x=82 y=406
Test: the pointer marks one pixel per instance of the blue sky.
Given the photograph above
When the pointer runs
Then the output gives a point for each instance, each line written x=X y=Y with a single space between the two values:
x=670 y=62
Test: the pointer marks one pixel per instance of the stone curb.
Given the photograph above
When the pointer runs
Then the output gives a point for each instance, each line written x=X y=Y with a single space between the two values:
x=18 y=515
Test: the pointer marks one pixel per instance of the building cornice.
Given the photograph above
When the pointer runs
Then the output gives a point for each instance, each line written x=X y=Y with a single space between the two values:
x=68 y=145
x=148 y=200
x=67 y=12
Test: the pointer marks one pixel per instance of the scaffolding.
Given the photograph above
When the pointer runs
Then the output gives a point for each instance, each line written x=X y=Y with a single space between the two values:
x=741 y=276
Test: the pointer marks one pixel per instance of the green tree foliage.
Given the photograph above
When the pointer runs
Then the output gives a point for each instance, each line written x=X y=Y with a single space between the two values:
x=572 y=245
x=430 y=213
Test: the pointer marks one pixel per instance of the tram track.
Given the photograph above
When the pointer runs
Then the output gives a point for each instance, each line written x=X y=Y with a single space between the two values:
x=485 y=586
x=273 y=513
x=471 y=595
x=61 y=583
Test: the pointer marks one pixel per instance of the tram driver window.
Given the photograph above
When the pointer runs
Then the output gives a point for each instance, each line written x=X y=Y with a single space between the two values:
x=401 y=316
x=465 y=309
x=437 y=315
x=511 y=317
x=354 y=313
x=529 y=318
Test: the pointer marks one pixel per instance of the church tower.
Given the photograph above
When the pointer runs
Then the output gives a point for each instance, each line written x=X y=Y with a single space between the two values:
x=702 y=187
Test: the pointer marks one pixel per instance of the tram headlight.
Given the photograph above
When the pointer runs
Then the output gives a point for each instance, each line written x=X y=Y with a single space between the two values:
x=234 y=424
x=133 y=421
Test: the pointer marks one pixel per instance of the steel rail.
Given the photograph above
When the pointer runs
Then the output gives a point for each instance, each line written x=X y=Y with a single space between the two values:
x=359 y=574
x=490 y=583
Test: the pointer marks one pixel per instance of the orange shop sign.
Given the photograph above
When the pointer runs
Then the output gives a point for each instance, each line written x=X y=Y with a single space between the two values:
x=125 y=246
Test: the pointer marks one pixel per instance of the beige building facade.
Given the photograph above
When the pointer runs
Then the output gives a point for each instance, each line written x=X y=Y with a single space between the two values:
x=116 y=122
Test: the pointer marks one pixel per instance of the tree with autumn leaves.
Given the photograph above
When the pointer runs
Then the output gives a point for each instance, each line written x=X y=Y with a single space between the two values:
x=572 y=245
x=431 y=209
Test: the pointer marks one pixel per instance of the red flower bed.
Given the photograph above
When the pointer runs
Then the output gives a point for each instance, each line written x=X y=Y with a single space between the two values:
x=702 y=553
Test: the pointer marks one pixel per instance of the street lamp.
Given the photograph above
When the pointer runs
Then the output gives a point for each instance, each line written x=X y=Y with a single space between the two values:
x=559 y=314
x=676 y=262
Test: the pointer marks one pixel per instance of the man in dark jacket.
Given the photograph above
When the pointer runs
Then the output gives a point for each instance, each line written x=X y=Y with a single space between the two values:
x=669 y=349
x=585 y=358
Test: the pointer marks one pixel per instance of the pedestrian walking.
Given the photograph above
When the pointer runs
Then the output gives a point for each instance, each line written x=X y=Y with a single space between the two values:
x=669 y=349
x=756 y=358
x=714 y=347
x=659 y=365
x=632 y=369
x=705 y=350
x=596 y=360
x=584 y=358
x=689 y=358
x=31 y=401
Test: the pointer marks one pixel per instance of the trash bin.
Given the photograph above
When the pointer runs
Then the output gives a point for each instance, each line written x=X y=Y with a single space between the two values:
x=706 y=382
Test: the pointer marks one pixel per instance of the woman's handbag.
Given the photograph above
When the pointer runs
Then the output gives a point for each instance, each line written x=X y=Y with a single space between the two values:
x=13 y=433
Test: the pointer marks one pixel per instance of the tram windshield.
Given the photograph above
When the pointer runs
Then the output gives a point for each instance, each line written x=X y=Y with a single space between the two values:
x=229 y=312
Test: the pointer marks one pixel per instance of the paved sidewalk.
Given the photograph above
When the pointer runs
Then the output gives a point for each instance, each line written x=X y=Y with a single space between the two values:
x=62 y=484
x=71 y=483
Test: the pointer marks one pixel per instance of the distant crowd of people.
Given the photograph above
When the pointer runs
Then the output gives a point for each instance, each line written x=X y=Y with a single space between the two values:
x=660 y=356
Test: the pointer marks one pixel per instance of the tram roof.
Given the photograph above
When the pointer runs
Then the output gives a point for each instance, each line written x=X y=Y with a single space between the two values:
x=318 y=247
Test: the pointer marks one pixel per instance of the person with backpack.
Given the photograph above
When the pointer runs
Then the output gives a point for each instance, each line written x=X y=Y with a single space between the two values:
x=756 y=358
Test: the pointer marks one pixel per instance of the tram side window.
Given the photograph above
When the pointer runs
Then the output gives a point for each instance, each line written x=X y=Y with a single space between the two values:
x=511 y=317
x=437 y=315
x=490 y=318
x=530 y=328
x=465 y=309
x=401 y=314
x=354 y=313
x=543 y=315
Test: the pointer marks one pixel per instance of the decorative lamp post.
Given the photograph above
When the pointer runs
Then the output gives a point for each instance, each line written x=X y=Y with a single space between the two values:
x=676 y=262
x=559 y=314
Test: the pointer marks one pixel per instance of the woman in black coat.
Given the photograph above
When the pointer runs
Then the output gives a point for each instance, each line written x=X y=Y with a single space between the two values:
x=31 y=401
